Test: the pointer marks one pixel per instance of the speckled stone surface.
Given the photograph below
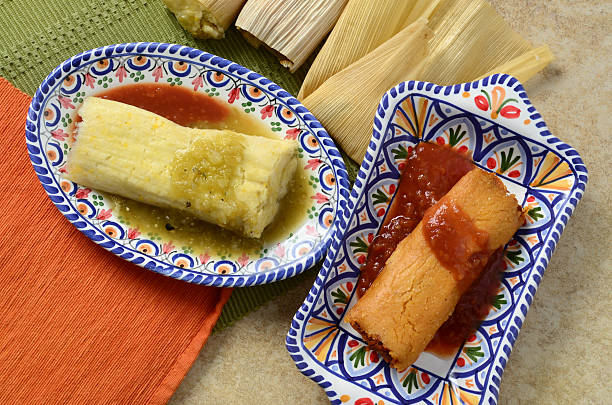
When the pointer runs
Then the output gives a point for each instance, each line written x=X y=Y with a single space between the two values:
x=563 y=352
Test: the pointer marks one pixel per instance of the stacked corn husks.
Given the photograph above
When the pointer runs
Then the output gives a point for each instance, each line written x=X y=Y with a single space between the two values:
x=373 y=47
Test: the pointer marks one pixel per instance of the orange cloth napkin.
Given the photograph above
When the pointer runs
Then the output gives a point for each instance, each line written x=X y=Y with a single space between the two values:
x=77 y=324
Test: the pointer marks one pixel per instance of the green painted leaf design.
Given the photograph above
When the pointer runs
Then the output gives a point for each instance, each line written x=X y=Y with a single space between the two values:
x=410 y=381
x=499 y=301
x=339 y=296
x=359 y=246
x=507 y=161
x=456 y=135
x=473 y=352
x=400 y=152
x=514 y=256
x=379 y=197
x=358 y=358
x=535 y=213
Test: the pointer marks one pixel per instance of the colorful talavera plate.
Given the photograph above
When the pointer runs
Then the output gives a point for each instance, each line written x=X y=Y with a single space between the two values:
x=53 y=110
x=493 y=121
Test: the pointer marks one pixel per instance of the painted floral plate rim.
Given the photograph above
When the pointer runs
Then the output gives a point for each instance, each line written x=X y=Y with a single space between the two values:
x=52 y=112
x=505 y=135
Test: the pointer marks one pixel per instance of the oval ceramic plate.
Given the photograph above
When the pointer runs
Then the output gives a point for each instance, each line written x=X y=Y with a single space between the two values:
x=493 y=122
x=53 y=110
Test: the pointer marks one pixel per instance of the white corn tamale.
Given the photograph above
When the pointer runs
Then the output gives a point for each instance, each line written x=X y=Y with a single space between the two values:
x=230 y=179
x=205 y=18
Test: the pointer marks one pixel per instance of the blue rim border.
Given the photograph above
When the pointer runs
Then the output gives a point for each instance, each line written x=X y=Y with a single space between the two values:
x=405 y=89
x=214 y=62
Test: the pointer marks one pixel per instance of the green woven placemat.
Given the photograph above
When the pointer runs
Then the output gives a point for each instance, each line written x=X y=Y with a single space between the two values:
x=37 y=35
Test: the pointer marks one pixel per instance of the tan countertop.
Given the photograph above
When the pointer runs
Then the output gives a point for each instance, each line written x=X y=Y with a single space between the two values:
x=563 y=351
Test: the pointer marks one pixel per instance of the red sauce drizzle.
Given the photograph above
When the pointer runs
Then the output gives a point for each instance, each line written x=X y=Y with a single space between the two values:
x=457 y=243
x=178 y=104
x=430 y=172
x=471 y=309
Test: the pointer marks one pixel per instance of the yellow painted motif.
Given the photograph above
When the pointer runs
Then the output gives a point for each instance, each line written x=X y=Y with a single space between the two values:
x=322 y=337
x=454 y=395
x=468 y=398
x=554 y=174
x=448 y=395
x=416 y=121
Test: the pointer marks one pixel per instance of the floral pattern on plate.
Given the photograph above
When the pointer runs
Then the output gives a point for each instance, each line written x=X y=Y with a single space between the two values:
x=52 y=115
x=494 y=123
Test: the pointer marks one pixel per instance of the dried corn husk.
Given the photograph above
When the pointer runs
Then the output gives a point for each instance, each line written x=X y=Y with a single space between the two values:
x=361 y=28
x=291 y=28
x=346 y=102
x=525 y=66
x=205 y=18
x=468 y=40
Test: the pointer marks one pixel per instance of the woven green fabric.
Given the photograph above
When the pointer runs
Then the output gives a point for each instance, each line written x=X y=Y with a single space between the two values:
x=37 y=35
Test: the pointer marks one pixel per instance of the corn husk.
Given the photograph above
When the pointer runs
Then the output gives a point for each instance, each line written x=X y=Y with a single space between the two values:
x=525 y=66
x=361 y=28
x=468 y=40
x=205 y=18
x=346 y=102
x=292 y=29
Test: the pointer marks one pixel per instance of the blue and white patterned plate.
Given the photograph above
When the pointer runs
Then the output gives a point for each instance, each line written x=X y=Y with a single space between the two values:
x=493 y=121
x=53 y=111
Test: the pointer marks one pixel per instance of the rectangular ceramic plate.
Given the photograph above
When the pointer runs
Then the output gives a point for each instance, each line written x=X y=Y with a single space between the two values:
x=494 y=123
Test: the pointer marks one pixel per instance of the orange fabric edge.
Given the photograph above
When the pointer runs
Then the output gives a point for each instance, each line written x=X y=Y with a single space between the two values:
x=184 y=361
x=168 y=385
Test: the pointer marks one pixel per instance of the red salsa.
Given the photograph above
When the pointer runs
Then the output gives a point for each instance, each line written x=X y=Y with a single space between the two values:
x=430 y=172
x=457 y=243
x=178 y=104
x=471 y=309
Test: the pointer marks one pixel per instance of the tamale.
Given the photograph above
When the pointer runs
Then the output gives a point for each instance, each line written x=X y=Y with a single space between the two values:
x=346 y=102
x=468 y=39
x=360 y=29
x=291 y=28
x=418 y=289
x=525 y=66
x=205 y=18
x=216 y=175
